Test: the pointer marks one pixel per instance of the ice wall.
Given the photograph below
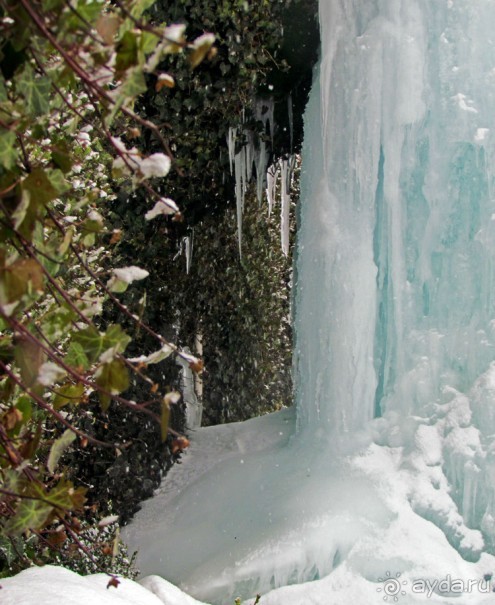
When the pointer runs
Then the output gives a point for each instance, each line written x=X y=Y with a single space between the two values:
x=392 y=467
x=395 y=302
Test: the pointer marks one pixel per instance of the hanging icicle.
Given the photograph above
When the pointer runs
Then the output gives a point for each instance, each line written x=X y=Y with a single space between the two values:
x=254 y=153
x=188 y=245
x=285 y=204
x=271 y=186
x=290 y=113
x=231 y=139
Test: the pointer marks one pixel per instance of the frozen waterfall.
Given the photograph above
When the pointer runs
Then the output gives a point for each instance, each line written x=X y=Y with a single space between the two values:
x=389 y=475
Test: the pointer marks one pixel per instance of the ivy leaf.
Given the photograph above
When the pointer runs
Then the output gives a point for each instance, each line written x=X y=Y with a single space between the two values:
x=30 y=514
x=148 y=42
x=127 y=52
x=29 y=357
x=89 y=341
x=38 y=189
x=93 y=343
x=61 y=156
x=25 y=407
x=116 y=338
x=64 y=495
x=139 y=6
x=23 y=276
x=8 y=149
x=70 y=393
x=35 y=92
x=133 y=85
x=76 y=357
x=112 y=377
x=200 y=48
x=59 y=446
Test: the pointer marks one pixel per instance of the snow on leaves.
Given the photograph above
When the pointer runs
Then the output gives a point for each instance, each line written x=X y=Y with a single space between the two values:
x=164 y=206
x=124 y=276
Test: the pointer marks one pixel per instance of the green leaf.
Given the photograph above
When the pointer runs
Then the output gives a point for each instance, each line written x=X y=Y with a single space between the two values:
x=90 y=341
x=8 y=149
x=12 y=481
x=25 y=406
x=133 y=85
x=63 y=495
x=76 y=357
x=93 y=343
x=89 y=10
x=35 y=91
x=70 y=393
x=127 y=52
x=59 y=446
x=118 y=286
x=61 y=157
x=116 y=337
x=3 y=92
x=139 y=6
x=50 y=5
x=44 y=185
x=30 y=514
x=92 y=226
x=23 y=276
x=112 y=377
x=201 y=47
x=58 y=181
x=148 y=42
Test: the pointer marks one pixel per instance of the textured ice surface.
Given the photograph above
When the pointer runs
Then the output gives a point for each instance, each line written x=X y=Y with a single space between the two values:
x=391 y=469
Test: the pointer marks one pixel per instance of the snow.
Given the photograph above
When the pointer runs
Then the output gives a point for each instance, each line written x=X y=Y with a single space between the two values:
x=175 y=33
x=130 y=274
x=164 y=206
x=155 y=165
x=204 y=40
x=154 y=357
x=49 y=585
x=49 y=373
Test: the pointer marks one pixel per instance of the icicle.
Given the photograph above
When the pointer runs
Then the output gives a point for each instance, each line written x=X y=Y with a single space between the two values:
x=189 y=243
x=264 y=113
x=192 y=389
x=269 y=118
x=271 y=186
x=285 y=204
x=250 y=157
x=239 y=194
x=260 y=163
x=291 y=120
x=231 y=138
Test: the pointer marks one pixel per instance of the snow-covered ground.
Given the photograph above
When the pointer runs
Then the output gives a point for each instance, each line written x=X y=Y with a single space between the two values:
x=53 y=585
x=394 y=552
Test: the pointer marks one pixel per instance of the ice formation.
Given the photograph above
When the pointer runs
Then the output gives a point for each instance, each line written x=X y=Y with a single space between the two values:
x=252 y=156
x=388 y=478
